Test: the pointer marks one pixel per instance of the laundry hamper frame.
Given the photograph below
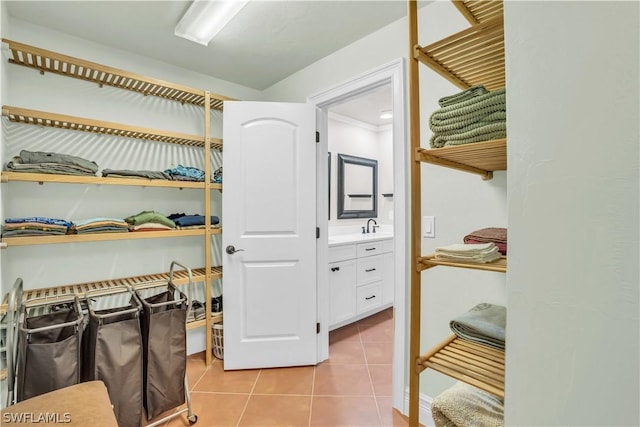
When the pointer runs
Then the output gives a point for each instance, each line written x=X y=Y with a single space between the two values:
x=14 y=305
x=112 y=351
x=49 y=355
x=159 y=322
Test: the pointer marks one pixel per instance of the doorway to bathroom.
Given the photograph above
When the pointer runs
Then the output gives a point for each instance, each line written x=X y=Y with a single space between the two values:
x=355 y=133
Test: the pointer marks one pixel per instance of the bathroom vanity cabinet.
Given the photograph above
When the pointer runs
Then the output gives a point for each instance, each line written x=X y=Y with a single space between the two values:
x=360 y=277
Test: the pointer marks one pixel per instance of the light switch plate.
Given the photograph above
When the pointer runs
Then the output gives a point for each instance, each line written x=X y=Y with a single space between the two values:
x=428 y=226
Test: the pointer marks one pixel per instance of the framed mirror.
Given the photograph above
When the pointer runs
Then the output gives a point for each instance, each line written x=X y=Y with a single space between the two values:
x=357 y=187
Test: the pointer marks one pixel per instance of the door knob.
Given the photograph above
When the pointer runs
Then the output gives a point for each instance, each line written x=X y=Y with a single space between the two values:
x=232 y=250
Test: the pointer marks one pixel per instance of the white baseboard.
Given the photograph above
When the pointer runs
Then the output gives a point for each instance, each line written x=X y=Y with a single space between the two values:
x=424 y=405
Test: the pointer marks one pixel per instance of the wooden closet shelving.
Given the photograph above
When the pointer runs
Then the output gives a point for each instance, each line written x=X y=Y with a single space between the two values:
x=468 y=58
x=52 y=62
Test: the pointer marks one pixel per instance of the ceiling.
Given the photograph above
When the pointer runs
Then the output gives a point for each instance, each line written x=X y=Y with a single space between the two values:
x=367 y=107
x=266 y=42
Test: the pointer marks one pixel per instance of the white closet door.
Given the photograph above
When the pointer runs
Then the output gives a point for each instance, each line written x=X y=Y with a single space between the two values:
x=269 y=217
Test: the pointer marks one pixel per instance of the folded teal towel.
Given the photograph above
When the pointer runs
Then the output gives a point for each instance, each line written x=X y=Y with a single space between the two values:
x=483 y=324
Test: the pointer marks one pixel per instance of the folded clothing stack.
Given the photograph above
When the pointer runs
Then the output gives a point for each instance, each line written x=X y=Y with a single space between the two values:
x=142 y=174
x=491 y=234
x=467 y=252
x=185 y=173
x=52 y=163
x=149 y=221
x=474 y=115
x=184 y=221
x=35 y=226
x=101 y=225
x=483 y=324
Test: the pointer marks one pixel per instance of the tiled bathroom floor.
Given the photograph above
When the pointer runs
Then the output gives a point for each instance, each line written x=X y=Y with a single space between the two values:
x=351 y=388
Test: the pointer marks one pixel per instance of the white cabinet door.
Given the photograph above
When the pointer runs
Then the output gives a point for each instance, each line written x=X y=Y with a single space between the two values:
x=269 y=216
x=342 y=291
x=387 y=278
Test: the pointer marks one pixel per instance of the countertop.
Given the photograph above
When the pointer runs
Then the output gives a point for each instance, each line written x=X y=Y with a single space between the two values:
x=346 y=239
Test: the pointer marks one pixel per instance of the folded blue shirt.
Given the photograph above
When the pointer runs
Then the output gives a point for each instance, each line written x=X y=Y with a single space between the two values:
x=41 y=220
x=188 y=220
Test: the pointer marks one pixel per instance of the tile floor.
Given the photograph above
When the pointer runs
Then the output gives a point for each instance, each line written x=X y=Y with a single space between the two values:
x=351 y=388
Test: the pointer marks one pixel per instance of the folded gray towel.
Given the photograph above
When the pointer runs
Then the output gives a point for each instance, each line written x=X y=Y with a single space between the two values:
x=463 y=405
x=483 y=324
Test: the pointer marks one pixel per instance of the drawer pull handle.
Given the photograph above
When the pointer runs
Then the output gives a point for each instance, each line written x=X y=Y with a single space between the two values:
x=371 y=297
x=369 y=249
x=335 y=268
x=370 y=270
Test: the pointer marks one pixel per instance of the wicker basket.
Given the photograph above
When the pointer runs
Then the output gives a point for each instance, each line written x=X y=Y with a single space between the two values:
x=217 y=338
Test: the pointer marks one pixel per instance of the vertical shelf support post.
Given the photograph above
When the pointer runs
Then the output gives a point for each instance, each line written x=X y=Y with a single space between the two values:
x=207 y=223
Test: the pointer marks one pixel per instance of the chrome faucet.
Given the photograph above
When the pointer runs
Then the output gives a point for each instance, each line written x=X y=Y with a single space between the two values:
x=375 y=224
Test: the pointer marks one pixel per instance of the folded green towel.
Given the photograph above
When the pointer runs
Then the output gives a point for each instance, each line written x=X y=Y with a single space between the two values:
x=486 y=132
x=465 y=95
x=468 y=112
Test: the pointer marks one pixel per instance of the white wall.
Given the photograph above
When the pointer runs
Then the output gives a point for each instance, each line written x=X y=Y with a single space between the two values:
x=359 y=139
x=573 y=281
x=446 y=194
x=51 y=265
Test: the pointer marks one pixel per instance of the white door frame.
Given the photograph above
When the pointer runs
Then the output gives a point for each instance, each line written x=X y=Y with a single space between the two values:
x=391 y=73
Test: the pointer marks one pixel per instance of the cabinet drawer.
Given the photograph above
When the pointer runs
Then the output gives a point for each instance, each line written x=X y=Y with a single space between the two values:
x=368 y=249
x=369 y=269
x=369 y=296
x=339 y=253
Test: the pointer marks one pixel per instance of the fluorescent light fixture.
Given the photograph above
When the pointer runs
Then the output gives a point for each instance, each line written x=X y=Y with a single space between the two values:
x=206 y=18
x=386 y=114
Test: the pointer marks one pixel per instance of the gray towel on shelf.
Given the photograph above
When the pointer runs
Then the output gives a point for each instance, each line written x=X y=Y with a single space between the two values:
x=463 y=405
x=483 y=324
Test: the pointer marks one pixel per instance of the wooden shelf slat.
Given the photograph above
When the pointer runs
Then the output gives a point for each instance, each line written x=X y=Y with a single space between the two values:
x=481 y=158
x=429 y=261
x=482 y=43
x=42 y=178
x=103 y=237
x=61 y=121
x=468 y=365
x=477 y=11
x=215 y=318
x=52 y=62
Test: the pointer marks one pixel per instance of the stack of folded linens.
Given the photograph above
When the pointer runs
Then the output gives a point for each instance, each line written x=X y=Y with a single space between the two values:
x=467 y=252
x=491 y=234
x=473 y=115
x=35 y=226
x=483 y=324
x=149 y=221
x=101 y=225
x=463 y=405
x=52 y=163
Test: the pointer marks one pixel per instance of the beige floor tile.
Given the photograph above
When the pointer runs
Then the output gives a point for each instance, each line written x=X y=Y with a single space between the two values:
x=214 y=409
x=381 y=379
x=378 y=332
x=378 y=353
x=195 y=368
x=342 y=380
x=346 y=352
x=344 y=411
x=346 y=333
x=296 y=380
x=377 y=318
x=389 y=416
x=263 y=410
x=216 y=379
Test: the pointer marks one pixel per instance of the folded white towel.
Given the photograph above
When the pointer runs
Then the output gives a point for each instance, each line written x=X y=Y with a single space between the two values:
x=469 y=252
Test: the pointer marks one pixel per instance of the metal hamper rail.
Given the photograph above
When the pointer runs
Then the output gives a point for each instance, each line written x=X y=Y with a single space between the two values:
x=165 y=310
